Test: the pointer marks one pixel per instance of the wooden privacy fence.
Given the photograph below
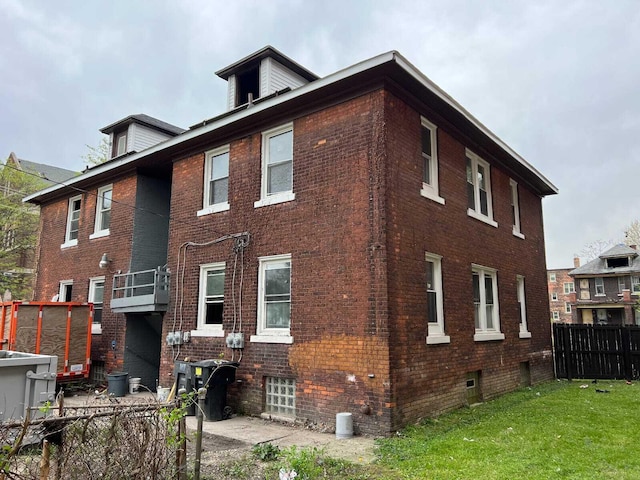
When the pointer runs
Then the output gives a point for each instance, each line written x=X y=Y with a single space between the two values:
x=596 y=351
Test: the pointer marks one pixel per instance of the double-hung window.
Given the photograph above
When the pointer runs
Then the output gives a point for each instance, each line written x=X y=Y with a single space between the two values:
x=515 y=209
x=429 y=142
x=211 y=300
x=216 y=181
x=485 y=302
x=635 y=285
x=274 y=300
x=435 y=305
x=73 y=222
x=569 y=287
x=522 y=307
x=119 y=144
x=103 y=212
x=599 y=286
x=96 y=296
x=479 y=189
x=65 y=291
x=554 y=297
x=277 y=166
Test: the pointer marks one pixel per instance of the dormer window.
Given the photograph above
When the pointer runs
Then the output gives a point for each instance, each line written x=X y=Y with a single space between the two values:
x=247 y=84
x=617 y=262
x=119 y=144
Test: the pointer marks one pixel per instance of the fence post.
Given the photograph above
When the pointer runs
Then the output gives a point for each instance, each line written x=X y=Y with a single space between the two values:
x=626 y=352
x=202 y=394
x=181 y=453
x=566 y=345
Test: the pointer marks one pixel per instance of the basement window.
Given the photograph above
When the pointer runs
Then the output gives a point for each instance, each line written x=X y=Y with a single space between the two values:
x=247 y=83
x=280 y=396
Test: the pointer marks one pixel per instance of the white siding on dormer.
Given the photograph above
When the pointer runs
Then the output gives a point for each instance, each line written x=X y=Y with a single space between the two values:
x=141 y=137
x=231 y=92
x=274 y=77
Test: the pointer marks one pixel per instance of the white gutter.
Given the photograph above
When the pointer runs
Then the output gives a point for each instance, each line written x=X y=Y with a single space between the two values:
x=360 y=67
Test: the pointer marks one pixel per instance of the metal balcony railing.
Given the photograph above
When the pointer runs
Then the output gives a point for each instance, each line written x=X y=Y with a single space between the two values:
x=143 y=291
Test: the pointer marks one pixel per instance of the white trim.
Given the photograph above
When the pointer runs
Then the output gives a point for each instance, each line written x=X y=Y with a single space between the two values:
x=476 y=212
x=436 y=329
x=379 y=60
x=62 y=284
x=288 y=339
x=438 y=339
x=524 y=334
x=482 y=332
x=97 y=231
x=96 y=328
x=431 y=190
x=487 y=336
x=261 y=329
x=208 y=164
x=70 y=242
x=266 y=197
x=515 y=205
x=273 y=199
x=203 y=329
x=522 y=300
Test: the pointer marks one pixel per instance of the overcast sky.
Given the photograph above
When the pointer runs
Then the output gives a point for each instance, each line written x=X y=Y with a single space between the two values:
x=559 y=81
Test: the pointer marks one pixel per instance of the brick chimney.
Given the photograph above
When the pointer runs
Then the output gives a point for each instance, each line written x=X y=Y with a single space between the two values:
x=576 y=262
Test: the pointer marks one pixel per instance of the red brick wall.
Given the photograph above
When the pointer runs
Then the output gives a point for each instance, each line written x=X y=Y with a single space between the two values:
x=431 y=378
x=338 y=304
x=557 y=287
x=79 y=263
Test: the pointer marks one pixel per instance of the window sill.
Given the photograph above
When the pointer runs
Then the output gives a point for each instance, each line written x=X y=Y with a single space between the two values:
x=488 y=336
x=525 y=335
x=101 y=233
x=276 y=198
x=428 y=192
x=218 y=207
x=598 y=295
x=70 y=243
x=207 y=333
x=518 y=234
x=438 y=339
x=271 y=339
x=96 y=329
x=482 y=218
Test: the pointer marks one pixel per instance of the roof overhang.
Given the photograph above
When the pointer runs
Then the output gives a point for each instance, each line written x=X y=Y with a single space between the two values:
x=389 y=70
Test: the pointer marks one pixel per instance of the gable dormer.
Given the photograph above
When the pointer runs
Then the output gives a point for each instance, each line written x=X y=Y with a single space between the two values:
x=136 y=133
x=260 y=74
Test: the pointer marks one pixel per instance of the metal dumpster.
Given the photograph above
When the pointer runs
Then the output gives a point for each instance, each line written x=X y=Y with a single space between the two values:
x=27 y=381
x=214 y=375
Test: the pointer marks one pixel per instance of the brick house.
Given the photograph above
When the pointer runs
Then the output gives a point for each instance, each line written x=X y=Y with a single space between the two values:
x=359 y=243
x=608 y=288
x=562 y=293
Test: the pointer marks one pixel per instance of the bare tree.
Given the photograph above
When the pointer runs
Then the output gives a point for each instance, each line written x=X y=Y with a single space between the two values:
x=632 y=233
x=594 y=249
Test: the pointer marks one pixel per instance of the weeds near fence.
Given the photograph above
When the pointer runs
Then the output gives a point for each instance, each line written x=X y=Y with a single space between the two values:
x=106 y=442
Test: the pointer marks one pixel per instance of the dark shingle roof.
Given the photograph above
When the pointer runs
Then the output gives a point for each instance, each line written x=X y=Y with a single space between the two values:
x=49 y=173
x=598 y=266
x=145 y=120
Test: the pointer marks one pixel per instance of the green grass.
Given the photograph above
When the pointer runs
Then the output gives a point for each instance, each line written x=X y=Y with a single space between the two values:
x=553 y=431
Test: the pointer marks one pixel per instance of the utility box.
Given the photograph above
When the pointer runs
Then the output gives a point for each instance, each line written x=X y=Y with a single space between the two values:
x=27 y=381
x=62 y=329
x=214 y=375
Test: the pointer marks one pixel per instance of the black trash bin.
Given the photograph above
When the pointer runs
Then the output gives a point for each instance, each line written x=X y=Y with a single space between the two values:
x=215 y=375
x=182 y=375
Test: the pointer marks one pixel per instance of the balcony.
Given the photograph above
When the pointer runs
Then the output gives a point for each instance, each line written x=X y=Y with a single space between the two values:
x=145 y=291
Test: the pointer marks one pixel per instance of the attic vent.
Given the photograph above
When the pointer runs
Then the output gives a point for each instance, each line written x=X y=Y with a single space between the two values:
x=247 y=82
x=618 y=262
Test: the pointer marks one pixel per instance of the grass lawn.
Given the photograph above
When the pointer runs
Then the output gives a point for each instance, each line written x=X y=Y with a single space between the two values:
x=552 y=431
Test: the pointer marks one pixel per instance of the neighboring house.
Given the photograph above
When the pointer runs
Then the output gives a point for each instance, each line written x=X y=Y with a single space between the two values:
x=562 y=293
x=19 y=224
x=359 y=243
x=608 y=288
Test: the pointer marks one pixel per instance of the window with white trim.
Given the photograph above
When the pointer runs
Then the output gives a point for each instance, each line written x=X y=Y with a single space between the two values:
x=280 y=398
x=515 y=209
x=567 y=307
x=479 y=189
x=429 y=137
x=65 y=291
x=569 y=287
x=522 y=307
x=622 y=285
x=554 y=297
x=103 y=211
x=552 y=277
x=277 y=166
x=274 y=298
x=635 y=284
x=555 y=315
x=96 y=296
x=211 y=300
x=435 y=304
x=216 y=181
x=599 y=286
x=73 y=222
x=119 y=143
x=485 y=302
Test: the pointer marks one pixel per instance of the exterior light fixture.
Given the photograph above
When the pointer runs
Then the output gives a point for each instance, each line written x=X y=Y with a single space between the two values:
x=104 y=261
